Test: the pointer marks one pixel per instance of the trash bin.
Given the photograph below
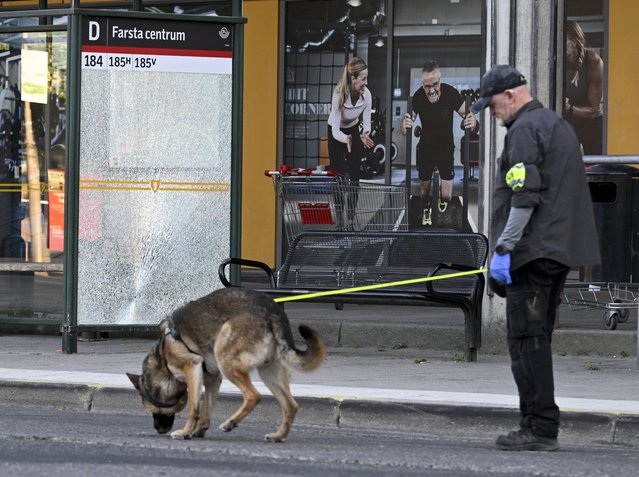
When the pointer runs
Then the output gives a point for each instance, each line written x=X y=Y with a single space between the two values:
x=615 y=193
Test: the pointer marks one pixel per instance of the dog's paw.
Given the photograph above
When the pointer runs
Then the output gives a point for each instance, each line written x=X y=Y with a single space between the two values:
x=274 y=437
x=228 y=426
x=180 y=435
x=200 y=431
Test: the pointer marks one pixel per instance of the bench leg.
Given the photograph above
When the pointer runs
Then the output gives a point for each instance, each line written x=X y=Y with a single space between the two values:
x=472 y=333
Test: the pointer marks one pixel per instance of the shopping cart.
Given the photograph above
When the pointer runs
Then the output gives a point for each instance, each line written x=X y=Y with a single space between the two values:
x=616 y=298
x=319 y=200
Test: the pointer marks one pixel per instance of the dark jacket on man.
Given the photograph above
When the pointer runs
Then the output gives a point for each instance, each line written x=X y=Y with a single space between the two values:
x=562 y=226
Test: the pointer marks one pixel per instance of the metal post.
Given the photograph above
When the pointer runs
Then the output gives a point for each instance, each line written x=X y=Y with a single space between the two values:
x=409 y=146
x=71 y=189
x=388 y=126
x=621 y=159
x=236 y=8
x=236 y=145
x=466 y=166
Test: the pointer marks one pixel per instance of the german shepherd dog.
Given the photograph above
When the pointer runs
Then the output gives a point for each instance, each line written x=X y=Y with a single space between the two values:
x=228 y=332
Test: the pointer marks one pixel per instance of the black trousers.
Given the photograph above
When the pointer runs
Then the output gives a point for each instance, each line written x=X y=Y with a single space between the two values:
x=346 y=193
x=342 y=161
x=531 y=306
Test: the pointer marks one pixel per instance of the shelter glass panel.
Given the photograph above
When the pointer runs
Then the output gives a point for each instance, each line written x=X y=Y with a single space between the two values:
x=32 y=170
x=155 y=172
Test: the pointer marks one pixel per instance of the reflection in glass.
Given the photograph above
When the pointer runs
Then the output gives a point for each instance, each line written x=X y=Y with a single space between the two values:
x=32 y=145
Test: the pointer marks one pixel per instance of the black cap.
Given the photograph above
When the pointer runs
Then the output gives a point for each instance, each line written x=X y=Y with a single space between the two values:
x=497 y=80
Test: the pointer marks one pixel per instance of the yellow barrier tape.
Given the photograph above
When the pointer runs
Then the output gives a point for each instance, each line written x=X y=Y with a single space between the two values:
x=341 y=291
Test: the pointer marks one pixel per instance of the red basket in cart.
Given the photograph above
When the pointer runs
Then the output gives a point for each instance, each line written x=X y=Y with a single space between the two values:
x=314 y=213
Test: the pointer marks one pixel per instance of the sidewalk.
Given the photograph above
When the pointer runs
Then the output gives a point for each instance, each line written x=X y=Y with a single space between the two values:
x=356 y=387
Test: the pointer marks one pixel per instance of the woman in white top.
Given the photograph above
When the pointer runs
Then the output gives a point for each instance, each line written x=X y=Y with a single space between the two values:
x=351 y=99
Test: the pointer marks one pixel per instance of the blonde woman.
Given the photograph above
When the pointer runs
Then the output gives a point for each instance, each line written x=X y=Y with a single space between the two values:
x=351 y=100
x=583 y=90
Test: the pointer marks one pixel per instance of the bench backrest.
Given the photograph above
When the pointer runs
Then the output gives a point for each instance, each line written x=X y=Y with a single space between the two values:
x=350 y=259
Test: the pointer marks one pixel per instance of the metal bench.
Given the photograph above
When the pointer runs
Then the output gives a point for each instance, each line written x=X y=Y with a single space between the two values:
x=323 y=261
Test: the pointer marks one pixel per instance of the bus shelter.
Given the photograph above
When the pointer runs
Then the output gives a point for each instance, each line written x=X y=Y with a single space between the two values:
x=121 y=137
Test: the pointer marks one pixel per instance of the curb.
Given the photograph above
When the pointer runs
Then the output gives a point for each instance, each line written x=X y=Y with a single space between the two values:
x=439 y=420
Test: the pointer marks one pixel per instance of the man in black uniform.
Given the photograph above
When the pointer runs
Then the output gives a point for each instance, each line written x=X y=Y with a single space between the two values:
x=542 y=224
x=435 y=104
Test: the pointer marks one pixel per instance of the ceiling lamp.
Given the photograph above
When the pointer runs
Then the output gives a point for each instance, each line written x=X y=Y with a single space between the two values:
x=380 y=41
x=354 y=3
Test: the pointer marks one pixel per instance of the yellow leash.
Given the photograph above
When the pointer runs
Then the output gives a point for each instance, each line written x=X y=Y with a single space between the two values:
x=341 y=291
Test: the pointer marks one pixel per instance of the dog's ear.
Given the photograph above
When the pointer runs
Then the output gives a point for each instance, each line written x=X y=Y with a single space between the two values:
x=135 y=379
x=163 y=328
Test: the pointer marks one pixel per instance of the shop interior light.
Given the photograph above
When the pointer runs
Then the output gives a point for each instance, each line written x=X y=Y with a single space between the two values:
x=397 y=92
x=380 y=41
x=354 y=3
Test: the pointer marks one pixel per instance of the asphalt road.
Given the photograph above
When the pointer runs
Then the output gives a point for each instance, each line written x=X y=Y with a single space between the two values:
x=37 y=441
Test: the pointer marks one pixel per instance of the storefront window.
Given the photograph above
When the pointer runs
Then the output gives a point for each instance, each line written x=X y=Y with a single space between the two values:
x=584 y=72
x=322 y=36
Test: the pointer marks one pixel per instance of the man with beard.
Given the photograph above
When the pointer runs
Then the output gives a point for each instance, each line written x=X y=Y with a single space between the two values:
x=435 y=104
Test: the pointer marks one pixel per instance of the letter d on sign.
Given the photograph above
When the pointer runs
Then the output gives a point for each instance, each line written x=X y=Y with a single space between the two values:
x=94 y=31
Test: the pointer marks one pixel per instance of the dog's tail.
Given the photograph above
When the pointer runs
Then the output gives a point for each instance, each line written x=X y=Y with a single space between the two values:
x=303 y=360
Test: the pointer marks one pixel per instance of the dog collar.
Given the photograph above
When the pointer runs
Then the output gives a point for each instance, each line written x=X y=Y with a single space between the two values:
x=152 y=400
x=175 y=334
